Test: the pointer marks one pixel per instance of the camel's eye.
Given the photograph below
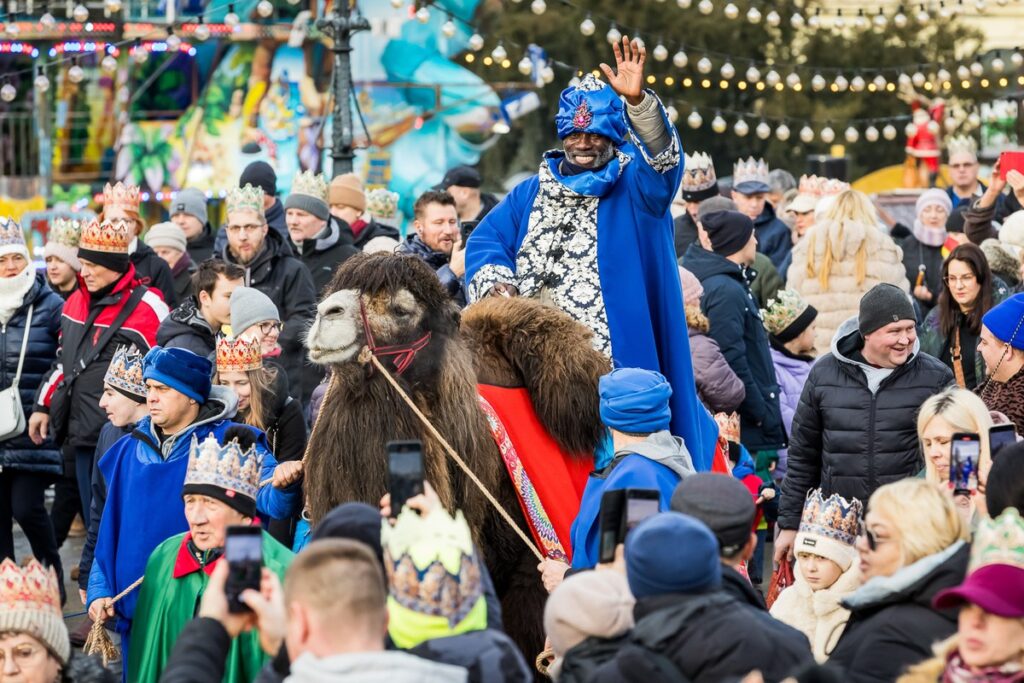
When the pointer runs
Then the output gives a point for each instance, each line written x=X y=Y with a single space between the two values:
x=401 y=311
x=335 y=310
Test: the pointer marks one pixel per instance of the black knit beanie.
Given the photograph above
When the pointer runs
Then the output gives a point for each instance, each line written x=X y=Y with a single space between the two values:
x=882 y=305
x=729 y=231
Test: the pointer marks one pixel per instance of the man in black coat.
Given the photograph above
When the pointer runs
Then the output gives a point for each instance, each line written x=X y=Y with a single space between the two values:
x=320 y=240
x=735 y=322
x=855 y=428
x=259 y=174
x=194 y=324
x=188 y=212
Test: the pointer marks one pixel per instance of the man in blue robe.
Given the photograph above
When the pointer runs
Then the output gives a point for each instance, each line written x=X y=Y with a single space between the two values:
x=592 y=234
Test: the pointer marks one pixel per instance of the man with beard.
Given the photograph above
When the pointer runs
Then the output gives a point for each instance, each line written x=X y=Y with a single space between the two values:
x=437 y=241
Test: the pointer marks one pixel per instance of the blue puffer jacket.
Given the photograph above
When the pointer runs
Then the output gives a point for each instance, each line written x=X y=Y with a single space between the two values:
x=773 y=237
x=19 y=453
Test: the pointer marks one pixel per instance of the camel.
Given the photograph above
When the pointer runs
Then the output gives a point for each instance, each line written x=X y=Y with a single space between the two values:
x=395 y=304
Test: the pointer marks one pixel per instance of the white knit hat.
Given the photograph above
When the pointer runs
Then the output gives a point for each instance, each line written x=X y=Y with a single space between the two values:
x=1012 y=232
x=62 y=241
x=30 y=603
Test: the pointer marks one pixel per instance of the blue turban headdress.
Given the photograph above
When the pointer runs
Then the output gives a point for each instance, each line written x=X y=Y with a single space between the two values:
x=635 y=401
x=591 y=107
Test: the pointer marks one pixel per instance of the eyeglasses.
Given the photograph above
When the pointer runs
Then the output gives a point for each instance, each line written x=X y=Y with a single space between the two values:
x=953 y=280
x=270 y=326
x=874 y=541
x=236 y=229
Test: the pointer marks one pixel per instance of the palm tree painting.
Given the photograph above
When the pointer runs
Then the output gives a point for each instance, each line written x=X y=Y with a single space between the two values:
x=146 y=156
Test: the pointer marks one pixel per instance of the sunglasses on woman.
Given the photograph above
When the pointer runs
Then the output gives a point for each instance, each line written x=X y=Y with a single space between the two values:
x=873 y=541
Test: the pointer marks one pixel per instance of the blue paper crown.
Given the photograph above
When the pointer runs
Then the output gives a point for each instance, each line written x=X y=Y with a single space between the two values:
x=227 y=467
x=125 y=371
x=11 y=233
x=591 y=107
x=833 y=517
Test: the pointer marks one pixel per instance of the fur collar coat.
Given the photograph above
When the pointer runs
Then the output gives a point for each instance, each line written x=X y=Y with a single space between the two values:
x=817 y=614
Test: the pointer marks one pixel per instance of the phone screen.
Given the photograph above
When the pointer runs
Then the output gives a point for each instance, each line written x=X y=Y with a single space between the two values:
x=243 y=550
x=405 y=469
x=1001 y=436
x=965 y=454
x=639 y=509
x=1011 y=160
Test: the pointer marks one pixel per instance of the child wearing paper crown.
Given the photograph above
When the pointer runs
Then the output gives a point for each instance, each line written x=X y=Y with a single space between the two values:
x=825 y=571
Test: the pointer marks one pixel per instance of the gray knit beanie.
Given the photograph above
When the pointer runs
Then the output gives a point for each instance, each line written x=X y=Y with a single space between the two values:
x=309 y=194
x=167 y=234
x=882 y=305
x=190 y=201
x=250 y=306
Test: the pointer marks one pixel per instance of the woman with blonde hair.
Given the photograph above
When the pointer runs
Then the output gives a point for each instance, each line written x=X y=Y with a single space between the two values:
x=843 y=256
x=912 y=547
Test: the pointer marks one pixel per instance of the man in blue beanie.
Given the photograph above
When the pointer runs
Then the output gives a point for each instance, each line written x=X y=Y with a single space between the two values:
x=144 y=473
x=1001 y=344
x=687 y=628
x=635 y=407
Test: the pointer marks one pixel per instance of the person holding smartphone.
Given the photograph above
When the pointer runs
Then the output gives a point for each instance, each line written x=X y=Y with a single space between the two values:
x=220 y=505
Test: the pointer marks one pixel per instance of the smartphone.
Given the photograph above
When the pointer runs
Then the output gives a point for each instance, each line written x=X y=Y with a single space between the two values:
x=1011 y=160
x=243 y=550
x=965 y=452
x=640 y=504
x=405 y=470
x=467 y=229
x=612 y=504
x=1000 y=436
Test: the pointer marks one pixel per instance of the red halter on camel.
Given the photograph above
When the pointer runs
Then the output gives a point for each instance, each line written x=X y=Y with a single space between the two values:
x=404 y=354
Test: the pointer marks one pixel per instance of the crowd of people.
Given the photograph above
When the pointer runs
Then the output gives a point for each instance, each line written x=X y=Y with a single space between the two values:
x=792 y=369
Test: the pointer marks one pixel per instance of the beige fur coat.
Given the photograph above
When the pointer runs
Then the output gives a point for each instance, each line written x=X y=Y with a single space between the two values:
x=817 y=614
x=840 y=300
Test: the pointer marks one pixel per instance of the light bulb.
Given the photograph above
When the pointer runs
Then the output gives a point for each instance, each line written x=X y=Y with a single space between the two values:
x=525 y=66
x=815 y=21
x=839 y=22
x=841 y=83
x=140 y=55
x=797 y=20
x=857 y=83
x=718 y=124
x=265 y=8
x=998 y=65
x=705 y=7
x=951 y=124
x=922 y=16
x=918 y=79
x=680 y=60
x=741 y=128
x=173 y=43
x=422 y=14
x=731 y=11
x=827 y=135
x=694 y=119
x=684 y=4
x=793 y=80
x=538 y=7
x=704 y=65
x=76 y=74
x=773 y=19
x=202 y=32
x=231 y=19
x=782 y=132
x=660 y=53
x=673 y=113
x=977 y=69
x=448 y=29
x=944 y=12
x=880 y=82
x=476 y=42
x=41 y=82
x=547 y=74
x=1017 y=58
x=981 y=6
x=871 y=134
x=113 y=6
x=899 y=20
x=754 y=15
x=943 y=75
x=8 y=92
x=772 y=78
x=727 y=71
x=47 y=21
x=80 y=14
x=889 y=132
x=852 y=135
x=753 y=75
x=499 y=54
x=109 y=63
x=963 y=73
x=763 y=131
x=806 y=135
x=903 y=79
x=974 y=119
x=614 y=35
x=880 y=20
x=818 y=83
x=587 y=26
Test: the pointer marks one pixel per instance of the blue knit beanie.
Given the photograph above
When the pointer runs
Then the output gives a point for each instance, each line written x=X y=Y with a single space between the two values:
x=635 y=401
x=1006 y=321
x=181 y=370
x=672 y=553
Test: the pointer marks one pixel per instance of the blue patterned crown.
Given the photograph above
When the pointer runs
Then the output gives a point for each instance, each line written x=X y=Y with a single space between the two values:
x=833 y=517
x=227 y=467
x=11 y=234
x=591 y=107
x=125 y=371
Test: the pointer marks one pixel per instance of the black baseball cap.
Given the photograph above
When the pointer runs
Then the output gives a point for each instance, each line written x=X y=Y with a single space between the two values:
x=463 y=176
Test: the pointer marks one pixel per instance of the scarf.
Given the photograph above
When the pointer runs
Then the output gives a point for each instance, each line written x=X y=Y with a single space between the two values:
x=957 y=671
x=358 y=227
x=13 y=291
x=930 y=237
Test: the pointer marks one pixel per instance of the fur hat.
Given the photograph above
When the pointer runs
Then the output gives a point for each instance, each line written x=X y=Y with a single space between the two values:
x=1001 y=260
x=692 y=288
x=829 y=527
x=62 y=241
x=787 y=315
x=588 y=604
x=30 y=604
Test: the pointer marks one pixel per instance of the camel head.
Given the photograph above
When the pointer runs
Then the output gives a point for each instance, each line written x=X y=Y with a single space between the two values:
x=400 y=296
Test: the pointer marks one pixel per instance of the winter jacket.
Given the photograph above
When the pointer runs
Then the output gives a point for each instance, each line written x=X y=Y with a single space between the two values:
x=373 y=667
x=275 y=221
x=199 y=654
x=855 y=428
x=276 y=272
x=85 y=417
x=817 y=614
x=739 y=587
x=792 y=372
x=186 y=328
x=978 y=220
x=438 y=262
x=1005 y=397
x=581 y=662
x=18 y=452
x=892 y=623
x=374 y=236
x=718 y=387
x=286 y=435
x=736 y=325
x=709 y=638
x=489 y=656
x=920 y=258
x=322 y=255
x=685 y=234
x=774 y=239
x=109 y=435
x=182 y=275
x=841 y=298
x=659 y=462
x=767 y=282
x=201 y=247
x=153 y=271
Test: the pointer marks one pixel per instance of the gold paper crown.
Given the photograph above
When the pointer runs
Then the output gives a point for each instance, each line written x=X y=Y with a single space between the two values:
x=698 y=173
x=961 y=144
x=833 y=517
x=310 y=184
x=782 y=311
x=110 y=236
x=66 y=231
x=11 y=233
x=728 y=426
x=227 y=467
x=999 y=541
x=381 y=203
x=750 y=170
x=125 y=371
x=247 y=198
x=32 y=588
x=238 y=355
x=120 y=195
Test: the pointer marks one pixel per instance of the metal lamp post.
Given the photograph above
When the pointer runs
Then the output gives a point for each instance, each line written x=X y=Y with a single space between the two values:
x=340 y=25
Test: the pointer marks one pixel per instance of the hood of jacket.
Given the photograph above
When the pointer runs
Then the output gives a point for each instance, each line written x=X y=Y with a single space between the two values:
x=221 y=405
x=663 y=448
x=373 y=230
x=918 y=582
x=335 y=234
x=848 y=340
x=185 y=319
x=704 y=264
x=389 y=666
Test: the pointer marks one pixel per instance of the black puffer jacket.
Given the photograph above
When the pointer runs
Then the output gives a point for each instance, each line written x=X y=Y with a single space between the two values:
x=322 y=255
x=892 y=623
x=281 y=276
x=186 y=328
x=19 y=453
x=153 y=271
x=850 y=440
x=489 y=656
x=286 y=431
x=82 y=668
x=200 y=248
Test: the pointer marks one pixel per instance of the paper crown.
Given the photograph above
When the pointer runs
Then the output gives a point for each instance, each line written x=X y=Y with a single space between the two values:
x=32 y=587
x=11 y=234
x=125 y=371
x=750 y=172
x=999 y=541
x=728 y=426
x=961 y=144
x=110 y=236
x=431 y=565
x=381 y=203
x=238 y=355
x=247 y=198
x=783 y=311
x=226 y=467
x=699 y=181
x=121 y=196
x=310 y=184
x=816 y=186
x=66 y=231
x=833 y=517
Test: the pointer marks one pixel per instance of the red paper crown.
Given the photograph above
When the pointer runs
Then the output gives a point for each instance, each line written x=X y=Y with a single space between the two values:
x=122 y=196
x=238 y=355
x=112 y=237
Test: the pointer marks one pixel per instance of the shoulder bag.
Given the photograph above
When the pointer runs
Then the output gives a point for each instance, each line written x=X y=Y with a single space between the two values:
x=12 y=413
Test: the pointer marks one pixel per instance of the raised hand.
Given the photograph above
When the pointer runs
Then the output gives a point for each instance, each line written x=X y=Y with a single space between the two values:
x=628 y=77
